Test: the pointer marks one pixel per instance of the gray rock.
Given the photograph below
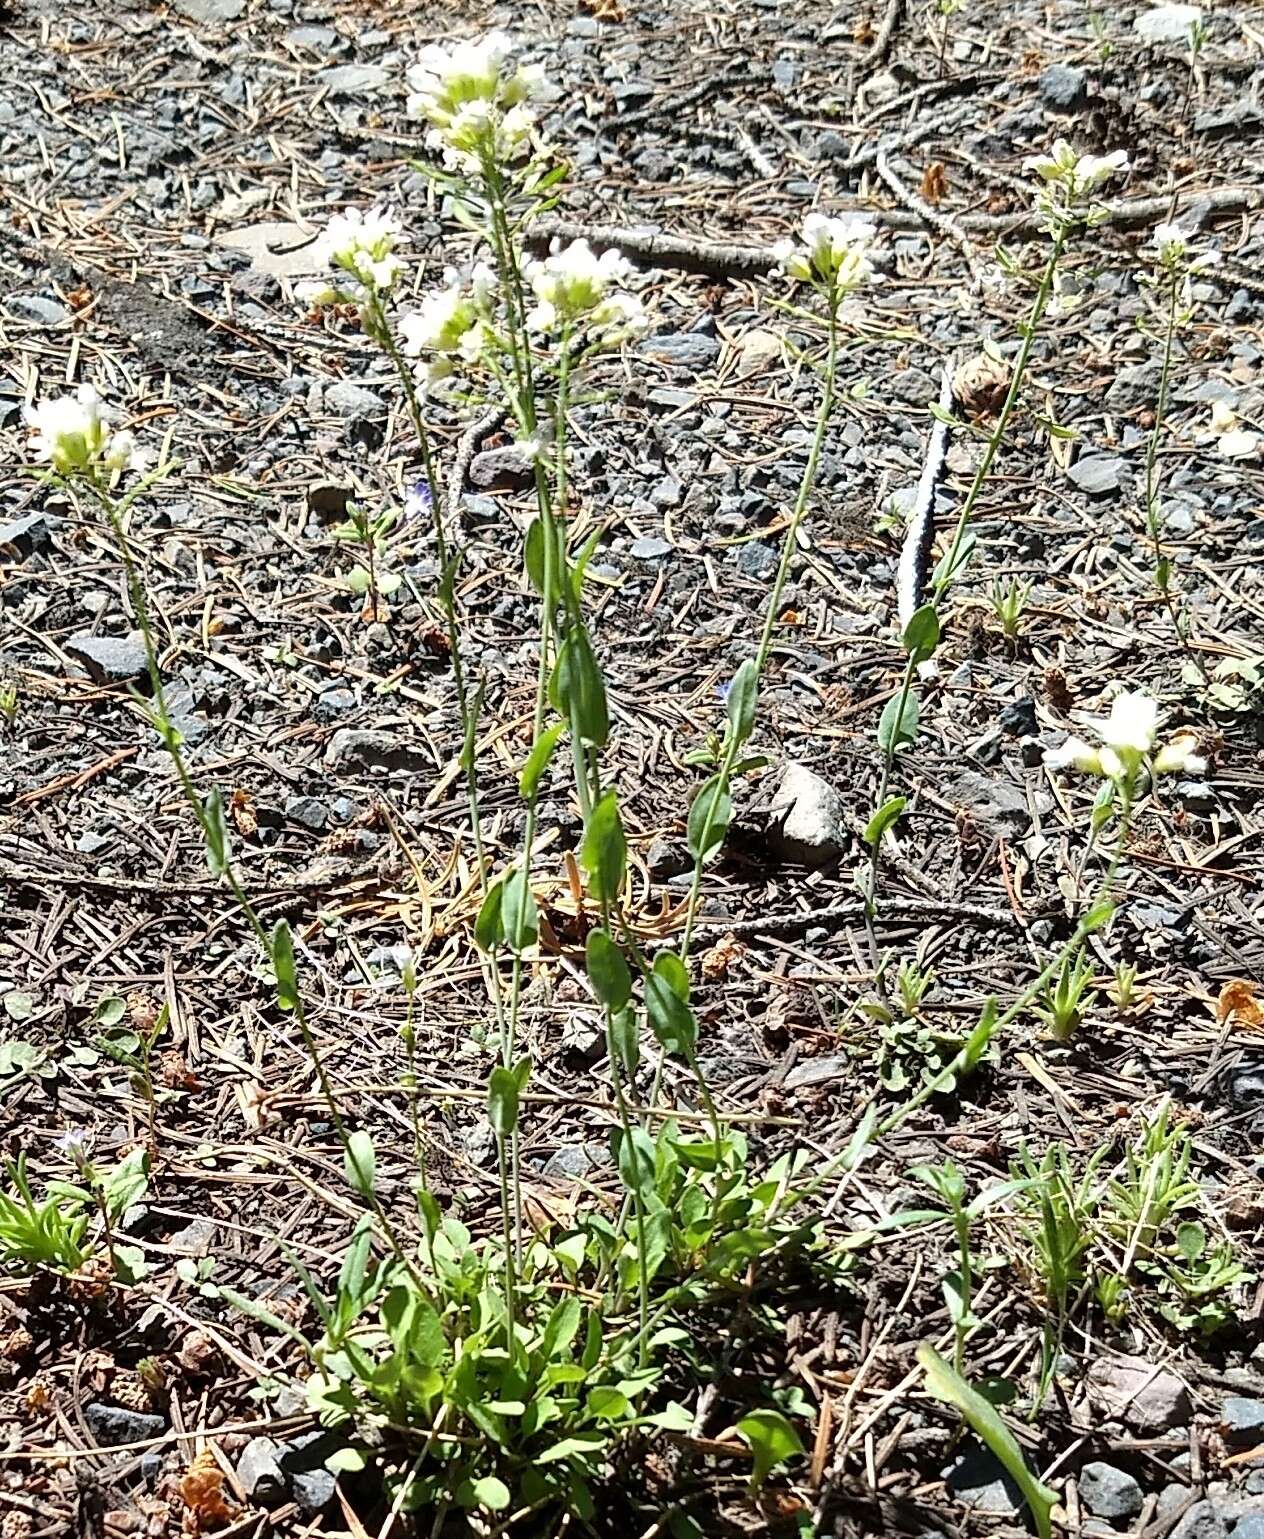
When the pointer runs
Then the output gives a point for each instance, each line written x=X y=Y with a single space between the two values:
x=35 y=310
x=1097 y=474
x=805 y=818
x=319 y=39
x=112 y=1424
x=195 y=1239
x=1109 y=1492
x=1202 y=1521
x=997 y=803
x=332 y=703
x=211 y=10
x=353 y=79
x=1063 y=88
x=1251 y=1526
x=912 y=386
x=507 y=468
x=819 y=1071
x=328 y=500
x=755 y=559
x=1242 y=1420
x=979 y=1480
x=1149 y=1399
x=667 y=859
x=650 y=547
x=572 y=1161
x=1134 y=387
x=348 y=399
x=109 y=659
x=309 y=811
x=667 y=494
x=302 y=1461
x=31 y=532
x=353 y=749
x=260 y=1475
x=683 y=349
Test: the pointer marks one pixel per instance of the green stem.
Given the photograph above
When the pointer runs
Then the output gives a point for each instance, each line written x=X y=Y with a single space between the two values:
x=947 y=568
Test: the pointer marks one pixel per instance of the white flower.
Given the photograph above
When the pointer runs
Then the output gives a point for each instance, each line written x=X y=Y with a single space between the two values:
x=1069 y=180
x=1172 y=245
x=833 y=252
x=363 y=246
x=473 y=100
x=1075 y=753
x=440 y=324
x=72 y=434
x=1179 y=758
x=1132 y=724
x=571 y=284
x=531 y=448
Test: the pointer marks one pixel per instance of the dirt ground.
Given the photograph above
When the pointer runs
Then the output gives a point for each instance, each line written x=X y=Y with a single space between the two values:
x=163 y=171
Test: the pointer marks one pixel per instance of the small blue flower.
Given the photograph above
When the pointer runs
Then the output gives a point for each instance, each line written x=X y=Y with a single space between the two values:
x=418 y=501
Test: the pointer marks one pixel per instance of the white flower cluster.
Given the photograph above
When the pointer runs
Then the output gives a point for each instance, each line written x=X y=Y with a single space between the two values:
x=1069 y=181
x=833 y=253
x=1172 y=246
x=1128 y=736
x=451 y=325
x=574 y=288
x=474 y=97
x=73 y=435
x=361 y=249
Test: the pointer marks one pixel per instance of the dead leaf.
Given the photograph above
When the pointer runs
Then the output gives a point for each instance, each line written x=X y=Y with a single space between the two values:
x=1239 y=1001
x=934 y=183
x=241 y=807
x=604 y=10
x=202 y=1492
x=717 y=961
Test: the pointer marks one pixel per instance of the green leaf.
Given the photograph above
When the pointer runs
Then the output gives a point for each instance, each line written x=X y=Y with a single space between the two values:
x=1191 y=1240
x=489 y=927
x=577 y=690
x=489 y=1492
x=709 y=817
x=671 y=1020
x=626 y=1039
x=348 y=1461
x=886 y=817
x=581 y=563
x=503 y=1088
x=533 y=555
x=520 y=916
x=215 y=831
x=742 y=699
x=772 y=1439
x=110 y=1010
x=359 y=1163
x=608 y=1404
x=947 y=570
x=634 y=1157
x=18 y=1005
x=604 y=852
x=282 y=948
x=1097 y=916
x=126 y=1183
x=669 y=967
x=538 y=759
x=563 y=1323
x=946 y=1384
x=607 y=970
x=897 y=727
x=921 y=634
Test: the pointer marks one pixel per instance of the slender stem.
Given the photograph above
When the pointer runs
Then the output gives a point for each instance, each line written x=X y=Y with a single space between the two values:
x=947 y=568
x=160 y=718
